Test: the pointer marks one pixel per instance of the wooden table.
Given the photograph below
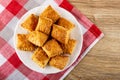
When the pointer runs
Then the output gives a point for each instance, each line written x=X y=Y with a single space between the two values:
x=103 y=61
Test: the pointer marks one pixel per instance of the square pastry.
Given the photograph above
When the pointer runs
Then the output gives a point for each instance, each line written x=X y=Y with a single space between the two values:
x=69 y=47
x=59 y=61
x=23 y=43
x=44 y=25
x=52 y=48
x=65 y=23
x=30 y=22
x=37 y=38
x=49 y=12
x=60 y=33
x=40 y=57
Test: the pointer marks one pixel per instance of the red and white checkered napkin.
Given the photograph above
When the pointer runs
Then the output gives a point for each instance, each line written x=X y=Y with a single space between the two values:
x=11 y=67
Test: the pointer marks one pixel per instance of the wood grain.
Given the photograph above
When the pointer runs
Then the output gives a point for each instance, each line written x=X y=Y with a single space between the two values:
x=103 y=61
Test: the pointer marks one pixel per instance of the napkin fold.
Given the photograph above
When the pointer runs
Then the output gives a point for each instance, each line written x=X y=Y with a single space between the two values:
x=11 y=68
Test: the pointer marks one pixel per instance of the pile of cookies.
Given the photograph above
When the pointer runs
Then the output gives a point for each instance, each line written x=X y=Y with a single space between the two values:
x=48 y=36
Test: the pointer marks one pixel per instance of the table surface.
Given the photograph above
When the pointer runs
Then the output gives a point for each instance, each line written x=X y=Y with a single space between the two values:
x=103 y=61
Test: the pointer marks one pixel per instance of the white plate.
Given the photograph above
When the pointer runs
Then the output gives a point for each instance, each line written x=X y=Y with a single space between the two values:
x=25 y=56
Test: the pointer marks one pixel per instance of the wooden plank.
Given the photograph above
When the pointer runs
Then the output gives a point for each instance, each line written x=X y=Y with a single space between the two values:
x=103 y=61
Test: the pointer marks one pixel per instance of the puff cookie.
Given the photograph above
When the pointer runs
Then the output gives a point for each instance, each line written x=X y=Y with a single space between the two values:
x=44 y=25
x=60 y=33
x=69 y=47
x=40 y=57
x=59 y=61
x=30 y=22
x=65 y=23
x=37 y=38
x=52 y=48
x=23 y=43
x=49 y=12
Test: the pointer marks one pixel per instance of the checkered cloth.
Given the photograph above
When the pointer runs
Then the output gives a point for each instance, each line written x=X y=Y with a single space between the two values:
x=11 y=68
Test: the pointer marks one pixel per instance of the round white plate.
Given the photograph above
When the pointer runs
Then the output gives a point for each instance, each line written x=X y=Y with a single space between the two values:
x=25 y=56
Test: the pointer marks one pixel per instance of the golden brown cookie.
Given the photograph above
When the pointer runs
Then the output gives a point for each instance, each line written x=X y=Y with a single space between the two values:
x=52 y=48
x=30 y=22
x=23 y=43
x=49 y=12
x=44 y=25
x=60 y=33
x=37 y=38
x=65 y=23
x=69 y=47
x=59 y=61
x=40 y=57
